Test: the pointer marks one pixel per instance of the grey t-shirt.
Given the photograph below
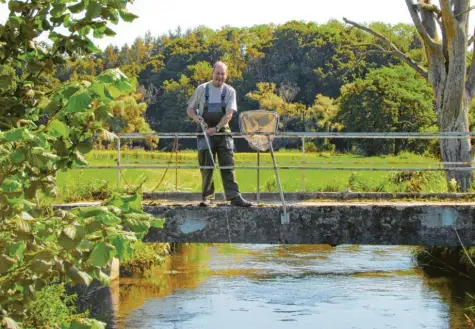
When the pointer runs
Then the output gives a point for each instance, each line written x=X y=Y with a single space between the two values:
x=197 y=101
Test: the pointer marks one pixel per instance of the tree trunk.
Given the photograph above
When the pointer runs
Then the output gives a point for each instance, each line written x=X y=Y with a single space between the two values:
x=454 y=118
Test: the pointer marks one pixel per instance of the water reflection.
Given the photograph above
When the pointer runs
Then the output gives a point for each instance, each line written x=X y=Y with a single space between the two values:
x=236 y=286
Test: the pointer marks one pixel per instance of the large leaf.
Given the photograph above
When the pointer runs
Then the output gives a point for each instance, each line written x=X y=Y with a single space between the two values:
x=58 y=129
x=78 y=276
x=79 y=102
x=101 y=254
x=7 y=78
x=6 y=263
x=93 y=9
x=123 y=247
x=127 y=16
x=17 y=134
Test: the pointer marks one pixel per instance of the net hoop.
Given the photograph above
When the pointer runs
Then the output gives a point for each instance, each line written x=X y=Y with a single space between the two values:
x=259 y=128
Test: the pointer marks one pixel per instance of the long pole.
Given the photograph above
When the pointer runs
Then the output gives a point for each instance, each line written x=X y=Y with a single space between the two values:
x=258 y=176
x=118 y=162
x=285 y=218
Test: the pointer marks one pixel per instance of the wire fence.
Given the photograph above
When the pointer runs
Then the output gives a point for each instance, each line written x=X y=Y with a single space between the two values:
x=303 y=165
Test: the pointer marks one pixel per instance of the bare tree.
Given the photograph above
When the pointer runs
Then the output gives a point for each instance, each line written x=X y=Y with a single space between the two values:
x=443 y=30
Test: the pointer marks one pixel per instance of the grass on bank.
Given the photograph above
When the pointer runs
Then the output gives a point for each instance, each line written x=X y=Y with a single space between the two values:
x=92 y=184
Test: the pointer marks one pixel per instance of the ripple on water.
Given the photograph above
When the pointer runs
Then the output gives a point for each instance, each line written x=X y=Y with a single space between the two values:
x=256 y=286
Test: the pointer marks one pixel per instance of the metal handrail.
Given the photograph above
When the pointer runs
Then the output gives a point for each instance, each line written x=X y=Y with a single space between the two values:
x=353 y=135
x=448 y=166
x=281 y=167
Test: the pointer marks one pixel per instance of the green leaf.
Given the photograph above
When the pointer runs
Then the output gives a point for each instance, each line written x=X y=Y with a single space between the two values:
x=58 y=129
x=19 y=155
x=7 y=78
x=79 y=102
x=77 y=8
x=108 y=136
x=101 y=254
x=137 y=222
x=40 y=266
x=70 y=231
x=79 y=159
x=17 y=134
x=6 y=263
x=127 y=16
x=22 y=225
x=78 y=276
x=85 y=147
x=158 y=223
x=93 y=10
x=112 y=76
x=93 y=211
x=118 y=4
x=11 y=186
x=108 y=219
x=123 y=247
x=16 y=249
x=66 y=242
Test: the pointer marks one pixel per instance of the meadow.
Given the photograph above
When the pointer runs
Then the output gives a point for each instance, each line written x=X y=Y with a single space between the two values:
x=89 y=184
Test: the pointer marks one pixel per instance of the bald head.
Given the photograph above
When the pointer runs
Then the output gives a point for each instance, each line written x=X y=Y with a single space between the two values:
x=220 y=73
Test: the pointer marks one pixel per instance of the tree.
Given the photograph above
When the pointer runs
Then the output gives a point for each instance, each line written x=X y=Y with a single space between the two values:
x=451 y=77
x=390 y=99
x=44 y=130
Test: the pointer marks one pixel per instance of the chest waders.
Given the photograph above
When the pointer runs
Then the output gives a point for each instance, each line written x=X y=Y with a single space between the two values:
x=210 y=147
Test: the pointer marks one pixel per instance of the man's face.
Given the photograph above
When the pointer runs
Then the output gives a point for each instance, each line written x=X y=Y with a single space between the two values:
x=219 y=76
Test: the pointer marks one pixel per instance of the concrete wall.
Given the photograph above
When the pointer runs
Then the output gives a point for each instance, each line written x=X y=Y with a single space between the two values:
x=374 y=223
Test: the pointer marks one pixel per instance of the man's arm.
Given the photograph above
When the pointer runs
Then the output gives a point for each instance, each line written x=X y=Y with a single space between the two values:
x=225 y=119
x=192 y=114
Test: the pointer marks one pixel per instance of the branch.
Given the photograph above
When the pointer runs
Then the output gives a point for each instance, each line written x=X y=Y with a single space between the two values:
x=461 y=8
x=448 y=15
x=419 y=26
x=394 y=50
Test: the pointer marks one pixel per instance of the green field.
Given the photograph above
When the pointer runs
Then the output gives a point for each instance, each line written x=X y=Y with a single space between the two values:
x=86 y=184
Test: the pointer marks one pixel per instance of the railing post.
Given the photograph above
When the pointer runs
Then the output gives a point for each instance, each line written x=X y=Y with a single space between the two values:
x=258 y=176
x=303 y=160
x=175 y=146
x=118 y=161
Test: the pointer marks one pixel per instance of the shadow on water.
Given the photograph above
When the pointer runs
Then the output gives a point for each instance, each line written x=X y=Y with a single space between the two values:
x=221 y=286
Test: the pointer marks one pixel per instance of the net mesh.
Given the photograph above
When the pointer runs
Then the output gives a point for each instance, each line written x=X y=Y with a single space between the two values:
x=259 y=128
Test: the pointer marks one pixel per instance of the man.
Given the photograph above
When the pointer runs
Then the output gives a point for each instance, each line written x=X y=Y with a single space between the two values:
x=216 y=103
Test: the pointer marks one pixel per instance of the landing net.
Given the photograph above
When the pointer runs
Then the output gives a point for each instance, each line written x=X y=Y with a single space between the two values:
x=259 y=128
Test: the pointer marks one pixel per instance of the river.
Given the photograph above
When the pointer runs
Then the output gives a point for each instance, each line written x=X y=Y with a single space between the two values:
x=283 y=287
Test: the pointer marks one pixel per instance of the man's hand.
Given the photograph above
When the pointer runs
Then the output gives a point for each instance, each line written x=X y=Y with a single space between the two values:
x=197 y=119
x=211 y=131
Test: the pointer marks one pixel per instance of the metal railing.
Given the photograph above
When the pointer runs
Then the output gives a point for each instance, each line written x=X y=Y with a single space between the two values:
x=302 y=136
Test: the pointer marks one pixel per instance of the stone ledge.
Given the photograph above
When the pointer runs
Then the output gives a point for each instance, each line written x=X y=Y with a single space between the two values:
x=319 y=223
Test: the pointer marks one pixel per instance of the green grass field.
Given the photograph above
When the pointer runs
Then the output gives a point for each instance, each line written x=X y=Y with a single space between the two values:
x=87 y=184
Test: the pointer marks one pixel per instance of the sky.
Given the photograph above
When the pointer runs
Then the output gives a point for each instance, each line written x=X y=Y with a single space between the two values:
x=161 y=16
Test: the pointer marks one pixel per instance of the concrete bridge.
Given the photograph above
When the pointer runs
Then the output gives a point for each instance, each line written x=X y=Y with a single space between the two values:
x=348 y=218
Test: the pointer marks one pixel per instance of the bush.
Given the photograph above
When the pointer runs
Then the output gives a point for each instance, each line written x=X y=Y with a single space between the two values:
x=52 y=307
x=145 y=256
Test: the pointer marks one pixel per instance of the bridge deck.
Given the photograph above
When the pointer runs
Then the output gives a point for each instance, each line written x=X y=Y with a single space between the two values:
x=374 y=222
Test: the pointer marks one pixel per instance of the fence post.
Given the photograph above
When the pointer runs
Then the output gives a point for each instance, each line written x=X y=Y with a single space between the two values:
x=175 y=147
x=258 y=176
x=303 y=160
x=118 y=161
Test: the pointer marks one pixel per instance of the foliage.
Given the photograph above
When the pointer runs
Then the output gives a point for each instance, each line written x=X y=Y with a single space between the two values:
x=144 y=257
x=51 y=307
x=389 y=100
x=128 y=117
x=302 y=60
x=46 y=130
